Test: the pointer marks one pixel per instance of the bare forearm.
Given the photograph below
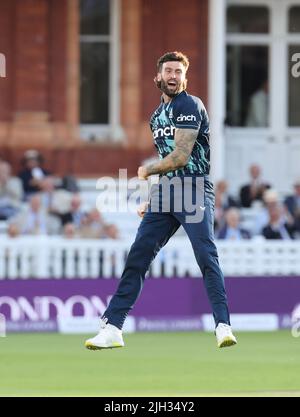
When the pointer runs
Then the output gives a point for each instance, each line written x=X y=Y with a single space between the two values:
x=173 y=161
x=179 y=157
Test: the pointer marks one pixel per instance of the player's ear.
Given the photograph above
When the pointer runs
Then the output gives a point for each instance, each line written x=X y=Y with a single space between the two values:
x=157 y=80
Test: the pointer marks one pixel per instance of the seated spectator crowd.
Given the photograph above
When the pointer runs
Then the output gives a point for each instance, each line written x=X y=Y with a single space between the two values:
x=38 y=203
x=273 y=218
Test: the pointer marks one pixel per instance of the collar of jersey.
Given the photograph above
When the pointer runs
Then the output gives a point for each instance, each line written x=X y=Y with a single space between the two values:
x=174 y=98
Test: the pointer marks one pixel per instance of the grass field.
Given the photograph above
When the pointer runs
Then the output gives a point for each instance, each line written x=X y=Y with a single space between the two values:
x=161 y=364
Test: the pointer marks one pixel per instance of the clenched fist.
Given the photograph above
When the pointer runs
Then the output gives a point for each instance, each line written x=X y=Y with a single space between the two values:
x=142 y=209
x=142 y=173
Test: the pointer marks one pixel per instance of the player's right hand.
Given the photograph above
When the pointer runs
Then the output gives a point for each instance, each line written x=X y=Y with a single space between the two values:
x=142 y=208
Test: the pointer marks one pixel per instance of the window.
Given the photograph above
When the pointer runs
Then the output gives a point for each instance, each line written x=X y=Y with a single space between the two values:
x=247 y=86
x=99 y=110
x=94 y=16
x=294 y=19
x=247 y=66
x=94 y=88
x=247 y=19
x=294 y=80
x=293 y=90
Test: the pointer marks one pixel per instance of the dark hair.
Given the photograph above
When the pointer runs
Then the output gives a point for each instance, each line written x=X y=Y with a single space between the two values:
x=173 y=56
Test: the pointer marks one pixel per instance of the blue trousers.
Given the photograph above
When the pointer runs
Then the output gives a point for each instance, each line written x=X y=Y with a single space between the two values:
x=154 y=232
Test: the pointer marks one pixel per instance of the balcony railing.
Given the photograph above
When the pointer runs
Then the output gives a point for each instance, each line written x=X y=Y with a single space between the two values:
x=56 y=257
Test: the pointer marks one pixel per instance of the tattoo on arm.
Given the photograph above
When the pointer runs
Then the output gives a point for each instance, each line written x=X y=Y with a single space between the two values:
x=185 y=140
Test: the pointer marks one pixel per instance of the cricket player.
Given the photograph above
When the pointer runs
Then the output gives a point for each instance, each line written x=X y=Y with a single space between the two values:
x=183 y=197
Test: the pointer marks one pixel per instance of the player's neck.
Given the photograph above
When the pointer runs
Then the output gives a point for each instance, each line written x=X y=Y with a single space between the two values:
x=166 y=99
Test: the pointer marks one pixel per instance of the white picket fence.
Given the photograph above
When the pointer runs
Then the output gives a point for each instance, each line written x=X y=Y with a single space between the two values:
x=56 y=257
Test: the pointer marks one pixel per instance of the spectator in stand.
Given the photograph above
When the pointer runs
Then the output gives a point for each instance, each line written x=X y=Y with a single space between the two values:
x=292 y=203
x=13 y=230
x=69 y=231
x=223 y=201
x=255 y=189
x=111 y=231
x=33 y=174
x=278 y=227
x=232 y=229
x=69 y=183
x=75 y=215
x=55 y=201
x=11 y=192
x=270 y=200
x=34 y=220
x=94 y=227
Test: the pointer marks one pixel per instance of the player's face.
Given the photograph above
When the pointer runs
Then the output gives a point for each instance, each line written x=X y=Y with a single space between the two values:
x=172 y=78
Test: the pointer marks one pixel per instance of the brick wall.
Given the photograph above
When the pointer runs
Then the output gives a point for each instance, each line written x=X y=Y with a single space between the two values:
x=170 y=25
x=57 y=60
x=85 y=161
x=39 y=97
x=33 y=35
x=6 y=47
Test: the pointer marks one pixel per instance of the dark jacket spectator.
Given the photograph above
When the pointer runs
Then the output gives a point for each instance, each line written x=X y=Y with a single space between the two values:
x=255 y=189
x=283 y=231
x=227 y=233
x=33 y=173
x=232 y=229
x=278 y=227
x=76 y=214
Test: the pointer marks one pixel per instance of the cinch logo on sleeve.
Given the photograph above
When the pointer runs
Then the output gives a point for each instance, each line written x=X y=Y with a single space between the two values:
x=189 y=118
x=167 y=131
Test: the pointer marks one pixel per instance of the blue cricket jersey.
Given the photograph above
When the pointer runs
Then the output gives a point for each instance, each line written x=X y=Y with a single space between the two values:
x=186 y=112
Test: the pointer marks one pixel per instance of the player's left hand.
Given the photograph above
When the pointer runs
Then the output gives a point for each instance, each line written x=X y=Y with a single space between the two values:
x=142 y=173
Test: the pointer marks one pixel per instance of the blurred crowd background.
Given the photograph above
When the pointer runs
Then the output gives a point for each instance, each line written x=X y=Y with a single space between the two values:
x=78 y=93
x=39 y=202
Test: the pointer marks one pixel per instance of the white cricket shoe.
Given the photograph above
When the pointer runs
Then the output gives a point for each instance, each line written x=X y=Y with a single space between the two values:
x=108 y=337
x=224 y=336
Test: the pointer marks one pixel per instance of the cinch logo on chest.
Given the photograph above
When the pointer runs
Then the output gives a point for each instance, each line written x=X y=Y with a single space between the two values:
x=167 y=131
x=188 y=118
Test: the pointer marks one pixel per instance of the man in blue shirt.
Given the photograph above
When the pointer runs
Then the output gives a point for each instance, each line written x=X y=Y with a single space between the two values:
x=184 y=196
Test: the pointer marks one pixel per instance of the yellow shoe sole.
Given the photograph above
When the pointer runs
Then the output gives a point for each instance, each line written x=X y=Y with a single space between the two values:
x=90 y=346
x=227 y=342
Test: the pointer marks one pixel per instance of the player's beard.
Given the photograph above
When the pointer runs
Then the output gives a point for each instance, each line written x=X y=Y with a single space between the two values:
x=172 y=92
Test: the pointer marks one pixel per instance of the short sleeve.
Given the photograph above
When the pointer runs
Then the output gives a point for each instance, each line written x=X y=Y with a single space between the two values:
x=186 y=114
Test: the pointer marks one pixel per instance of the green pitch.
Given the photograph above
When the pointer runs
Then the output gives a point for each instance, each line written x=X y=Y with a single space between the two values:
x=162 y=364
